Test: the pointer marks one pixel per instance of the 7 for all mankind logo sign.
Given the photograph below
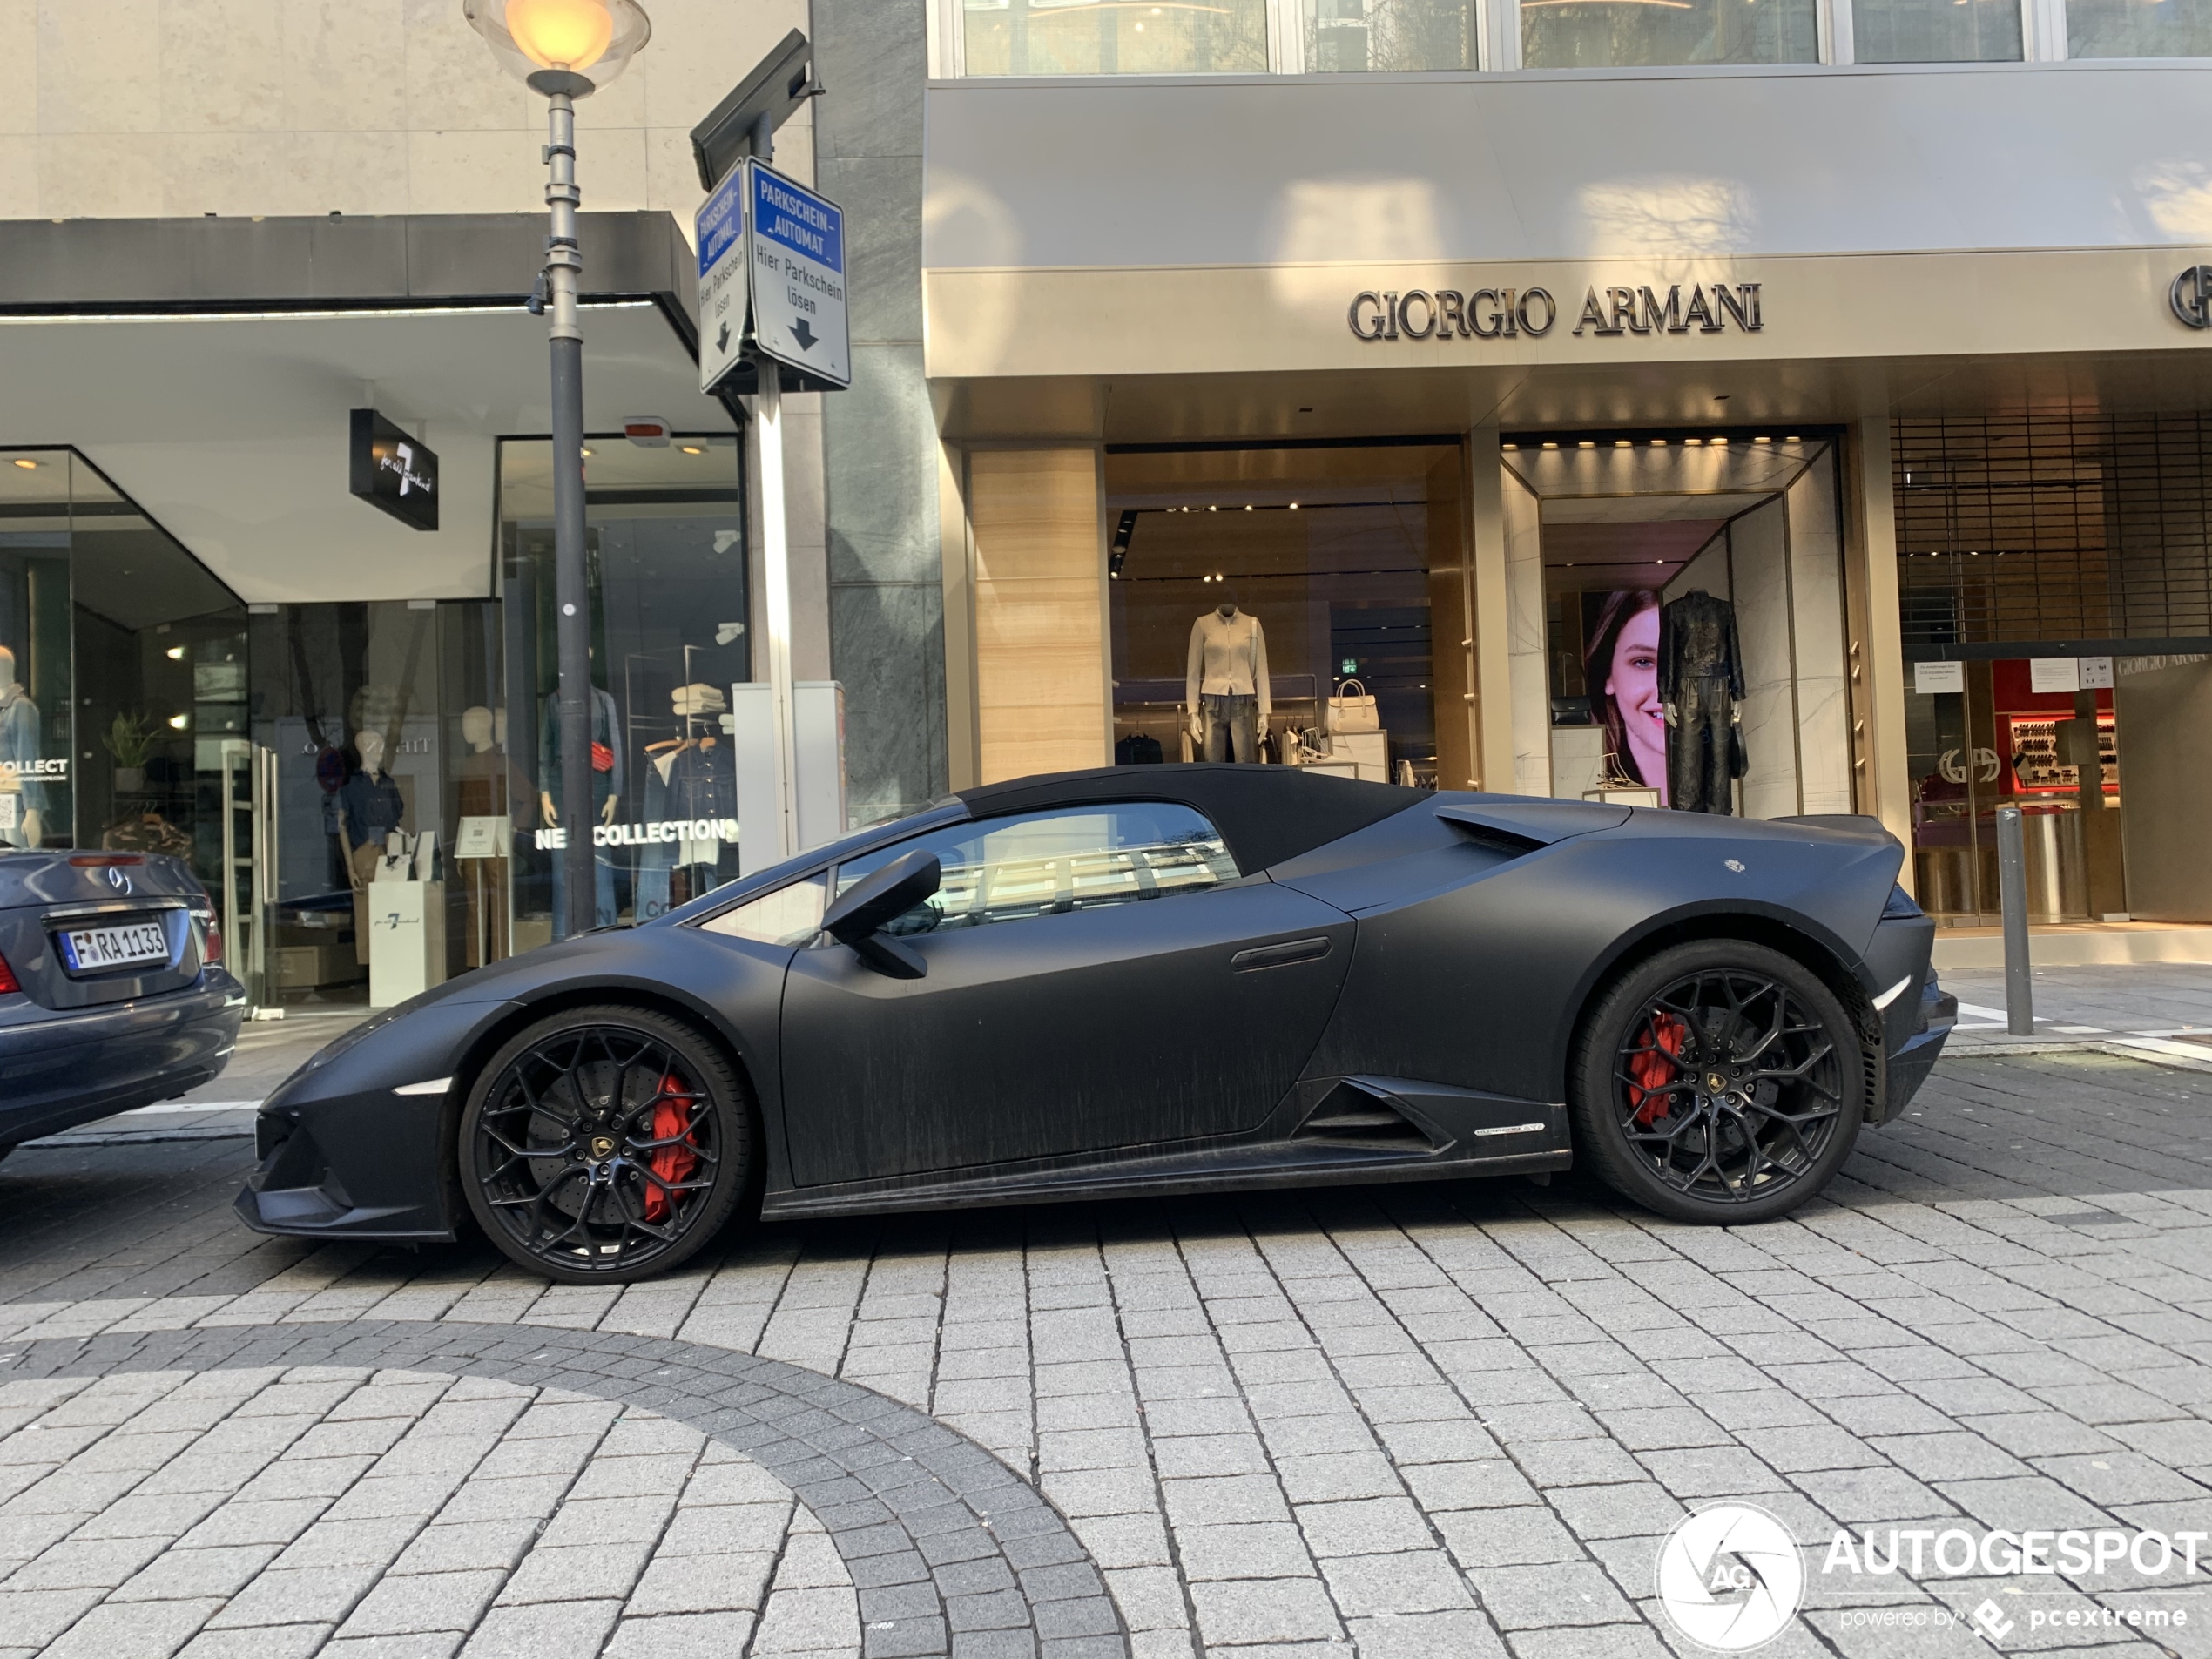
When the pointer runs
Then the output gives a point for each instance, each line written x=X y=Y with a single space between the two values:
x=1495 y=313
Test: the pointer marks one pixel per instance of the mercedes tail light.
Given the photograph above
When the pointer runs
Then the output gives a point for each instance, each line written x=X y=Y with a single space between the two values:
x=7 y=978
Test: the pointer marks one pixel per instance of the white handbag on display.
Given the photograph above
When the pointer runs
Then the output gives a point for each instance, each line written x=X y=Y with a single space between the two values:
x=1346 y=711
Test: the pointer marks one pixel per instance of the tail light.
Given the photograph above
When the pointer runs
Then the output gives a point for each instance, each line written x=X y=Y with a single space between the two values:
x=7 y=978
x=211 y=949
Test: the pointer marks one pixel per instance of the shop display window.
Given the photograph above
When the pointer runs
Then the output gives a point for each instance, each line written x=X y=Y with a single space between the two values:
x=1702 y=572
x=37 y=746
x=123 y=668
x=1302 y=606
x=671 y=622
x=1115 y=37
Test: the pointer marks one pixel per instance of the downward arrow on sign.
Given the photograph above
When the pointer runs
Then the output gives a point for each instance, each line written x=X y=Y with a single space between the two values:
x=722 y=339
x=804 y=336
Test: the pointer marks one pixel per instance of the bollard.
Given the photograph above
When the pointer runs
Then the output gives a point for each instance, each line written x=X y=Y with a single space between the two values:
x=2012 y=899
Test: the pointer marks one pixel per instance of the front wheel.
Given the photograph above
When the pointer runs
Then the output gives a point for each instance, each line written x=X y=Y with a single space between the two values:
x=1719 y=1082
x=605 y=1145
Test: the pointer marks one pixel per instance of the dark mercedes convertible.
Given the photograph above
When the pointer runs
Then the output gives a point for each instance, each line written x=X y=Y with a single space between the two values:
x=1144 y=980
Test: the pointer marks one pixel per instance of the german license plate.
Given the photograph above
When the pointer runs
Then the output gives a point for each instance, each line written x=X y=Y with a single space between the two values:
x=90 y=950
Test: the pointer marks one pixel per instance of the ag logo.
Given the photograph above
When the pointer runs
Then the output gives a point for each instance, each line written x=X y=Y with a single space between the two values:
x=2191 y=296
x=1730 y=1577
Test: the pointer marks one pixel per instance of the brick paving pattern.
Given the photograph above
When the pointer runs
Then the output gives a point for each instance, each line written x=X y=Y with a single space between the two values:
x=1452 y=1421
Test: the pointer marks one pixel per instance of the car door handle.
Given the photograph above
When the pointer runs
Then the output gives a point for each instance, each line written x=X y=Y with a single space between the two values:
x=1283 y=956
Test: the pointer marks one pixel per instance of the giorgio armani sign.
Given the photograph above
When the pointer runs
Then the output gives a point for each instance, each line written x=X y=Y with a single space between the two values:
x=1504 y=313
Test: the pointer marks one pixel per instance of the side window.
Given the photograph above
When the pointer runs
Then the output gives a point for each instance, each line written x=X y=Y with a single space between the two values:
x=790 y=915
x=1043 y=864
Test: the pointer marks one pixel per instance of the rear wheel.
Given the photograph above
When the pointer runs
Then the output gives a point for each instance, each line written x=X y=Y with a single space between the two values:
x=1719 y=1082
x=605 y=1145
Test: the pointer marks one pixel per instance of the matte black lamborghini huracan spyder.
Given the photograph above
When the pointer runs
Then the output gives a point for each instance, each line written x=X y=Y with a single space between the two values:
x=1144 y=980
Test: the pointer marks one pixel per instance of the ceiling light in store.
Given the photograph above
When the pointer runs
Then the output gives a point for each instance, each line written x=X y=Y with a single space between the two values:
x=1720 y=443
x=1794 y=438
x=1687 y=441
x=1294 y=507
x=1586 y=444
x=1212 y=509
x=180 y=721
x=691 y=448
x=175 y=653
x=1658 y=443
x=1550 y=445
x=26 y=463
x=1623 y=443
x=1762 y=440
x=587 y=452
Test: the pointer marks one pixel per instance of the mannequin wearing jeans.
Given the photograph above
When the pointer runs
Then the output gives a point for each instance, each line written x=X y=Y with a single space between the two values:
x=1225 y=688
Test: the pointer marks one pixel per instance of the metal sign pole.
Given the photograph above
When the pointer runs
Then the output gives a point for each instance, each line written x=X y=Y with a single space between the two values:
x=2012 y=897
x=775 y=566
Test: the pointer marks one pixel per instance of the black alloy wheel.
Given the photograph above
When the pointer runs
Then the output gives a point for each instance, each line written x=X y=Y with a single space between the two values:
x=1718 y=1082
x=605 y=1145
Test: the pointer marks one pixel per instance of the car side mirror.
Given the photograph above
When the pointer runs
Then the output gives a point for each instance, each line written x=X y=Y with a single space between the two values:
x=857 y=916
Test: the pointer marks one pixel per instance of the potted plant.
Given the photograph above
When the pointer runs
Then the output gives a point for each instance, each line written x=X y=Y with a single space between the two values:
x=126 y=742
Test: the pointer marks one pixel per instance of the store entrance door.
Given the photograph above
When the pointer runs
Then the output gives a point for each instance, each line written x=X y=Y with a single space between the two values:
x=2040 y=733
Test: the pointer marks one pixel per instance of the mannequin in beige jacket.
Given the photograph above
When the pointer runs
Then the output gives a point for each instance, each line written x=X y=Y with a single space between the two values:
x=1225 y=689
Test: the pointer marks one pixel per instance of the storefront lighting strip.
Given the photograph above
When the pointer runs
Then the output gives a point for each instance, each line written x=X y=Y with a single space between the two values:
x=502 y=309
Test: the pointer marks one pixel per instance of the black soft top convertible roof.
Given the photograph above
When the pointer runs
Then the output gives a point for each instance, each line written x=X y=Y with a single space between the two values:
x=1267 y=814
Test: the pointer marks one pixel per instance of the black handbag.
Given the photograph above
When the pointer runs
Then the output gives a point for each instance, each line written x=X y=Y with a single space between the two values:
x=1739 y=758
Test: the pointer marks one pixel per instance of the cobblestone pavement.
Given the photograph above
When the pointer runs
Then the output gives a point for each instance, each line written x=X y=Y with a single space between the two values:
x=1452 y=1421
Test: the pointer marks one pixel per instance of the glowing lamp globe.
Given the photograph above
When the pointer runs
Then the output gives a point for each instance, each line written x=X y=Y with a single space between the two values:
x=576 y=46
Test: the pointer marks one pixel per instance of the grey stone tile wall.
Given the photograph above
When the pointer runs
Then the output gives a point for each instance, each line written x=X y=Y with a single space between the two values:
x=880 y=439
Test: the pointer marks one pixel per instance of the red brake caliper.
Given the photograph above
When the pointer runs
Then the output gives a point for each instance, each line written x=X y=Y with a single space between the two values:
x=1653 y=1069
x=674 y=1162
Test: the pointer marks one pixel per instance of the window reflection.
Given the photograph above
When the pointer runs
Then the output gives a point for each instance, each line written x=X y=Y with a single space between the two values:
x=2139 y=28
x=1344 y=37
x=1050 y=863
x=1623 y=34
x=1936 y=31
x=1115 y=37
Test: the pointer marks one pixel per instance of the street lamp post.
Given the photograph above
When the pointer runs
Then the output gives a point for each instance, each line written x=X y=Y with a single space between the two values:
x=567 y=50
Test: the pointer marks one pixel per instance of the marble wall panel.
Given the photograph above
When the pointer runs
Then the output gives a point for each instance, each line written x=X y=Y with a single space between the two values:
x=410 y=71
x=1817 y=591
x=1578 y=759
x=114 y=175
x=222 y=65
x=19 y=48
x=1526 y=663
x=281 y=172
x=19 y=176
x=338 y=67
x=98 y=68
x=1759 y=573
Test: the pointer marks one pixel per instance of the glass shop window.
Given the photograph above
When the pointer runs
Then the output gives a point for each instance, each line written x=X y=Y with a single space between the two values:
x=2139 y=28
x=1626 y=34
x=36 y=729
x=666 y=551
x=1344 y=37
x=121 y=671
x=1938 y=31
x=1048 y=863
x=1115 y=37
x=1292 y=607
